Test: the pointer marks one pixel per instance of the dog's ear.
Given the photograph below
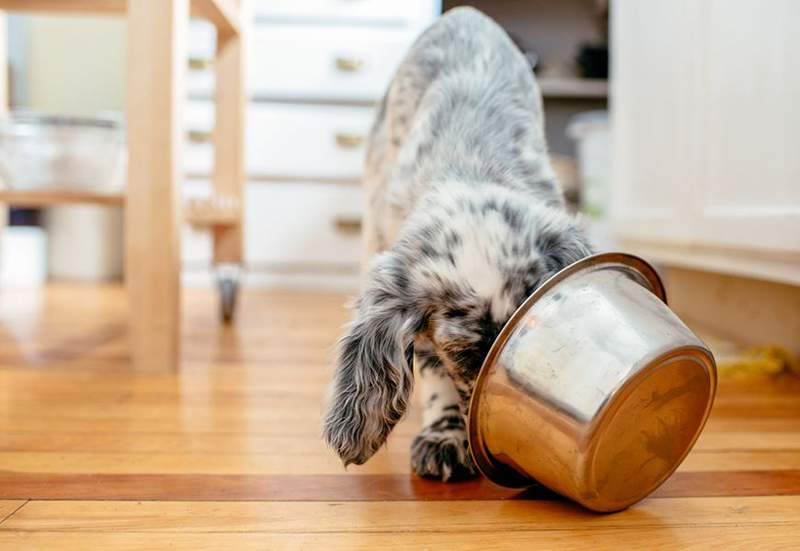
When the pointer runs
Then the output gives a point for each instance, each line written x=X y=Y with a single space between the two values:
x=374 y=373
x=560 y=243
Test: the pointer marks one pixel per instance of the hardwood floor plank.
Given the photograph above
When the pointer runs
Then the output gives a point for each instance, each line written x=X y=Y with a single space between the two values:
x=690 y=538
x=431 y=516
x=8 y=507
x=204 y=487
x=254 y=443
x=322 y=461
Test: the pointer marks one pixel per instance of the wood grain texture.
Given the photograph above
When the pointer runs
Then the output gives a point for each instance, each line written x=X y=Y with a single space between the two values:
x=224 y=452
x=50 y=196
x=8 y=507
x=690 y=537
x=157 y=34
x=224 y=14
x=366 y=487
x=408 y=516
x=230 y=103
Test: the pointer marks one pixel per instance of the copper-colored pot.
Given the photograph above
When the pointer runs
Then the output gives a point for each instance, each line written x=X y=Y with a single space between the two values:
x=594 y=388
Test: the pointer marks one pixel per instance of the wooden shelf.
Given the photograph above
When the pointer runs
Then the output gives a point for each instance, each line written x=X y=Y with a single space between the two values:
x=573 y=87
x=56 y=196
x=222 y=13
x=212 y=211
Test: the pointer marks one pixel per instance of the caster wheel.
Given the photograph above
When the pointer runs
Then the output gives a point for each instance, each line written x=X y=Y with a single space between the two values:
x=228 y=287
x=228 y=290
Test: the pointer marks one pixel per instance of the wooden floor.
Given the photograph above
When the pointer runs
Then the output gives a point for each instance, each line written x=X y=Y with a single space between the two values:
x=225 y=452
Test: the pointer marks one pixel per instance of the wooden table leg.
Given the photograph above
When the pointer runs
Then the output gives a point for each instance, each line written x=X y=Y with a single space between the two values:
x=229 y=135
x=157 y=33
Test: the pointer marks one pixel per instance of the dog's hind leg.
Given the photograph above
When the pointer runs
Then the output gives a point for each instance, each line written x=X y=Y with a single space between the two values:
x=440 y=451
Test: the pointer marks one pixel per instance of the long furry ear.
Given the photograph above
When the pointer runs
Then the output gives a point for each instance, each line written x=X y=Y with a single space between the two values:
x=374 y=374
x=561 y=241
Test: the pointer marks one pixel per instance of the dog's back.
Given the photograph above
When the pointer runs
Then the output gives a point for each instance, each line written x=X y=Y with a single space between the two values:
x=463 y=107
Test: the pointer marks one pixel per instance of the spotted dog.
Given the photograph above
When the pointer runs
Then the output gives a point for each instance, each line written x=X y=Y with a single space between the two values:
x=465 y=219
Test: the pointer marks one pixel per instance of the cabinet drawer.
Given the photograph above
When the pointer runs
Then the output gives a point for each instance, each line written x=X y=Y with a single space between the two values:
x=309 y=62
x=390 y=12
x=301 y=224
x=201 y=48
x=307 y=141
x=198 y=151
x=294 y=141
x=315 y=63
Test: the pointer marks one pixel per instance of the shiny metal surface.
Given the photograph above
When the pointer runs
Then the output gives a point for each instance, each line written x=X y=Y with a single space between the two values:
x=594 y=388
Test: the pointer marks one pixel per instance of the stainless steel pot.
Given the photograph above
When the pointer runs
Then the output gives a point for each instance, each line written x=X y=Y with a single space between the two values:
x=594 y=388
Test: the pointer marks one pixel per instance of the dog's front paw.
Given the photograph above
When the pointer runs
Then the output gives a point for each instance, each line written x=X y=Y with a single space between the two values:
x=442 y=456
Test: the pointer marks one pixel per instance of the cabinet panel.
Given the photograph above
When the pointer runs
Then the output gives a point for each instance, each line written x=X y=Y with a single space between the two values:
x=751 y=192
x=389 y=12
x=293 y=141
x=656 y=101
x=706 y=123
x=301 y=224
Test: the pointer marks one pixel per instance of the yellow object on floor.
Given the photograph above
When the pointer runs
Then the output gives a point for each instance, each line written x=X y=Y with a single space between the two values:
x=758 y=361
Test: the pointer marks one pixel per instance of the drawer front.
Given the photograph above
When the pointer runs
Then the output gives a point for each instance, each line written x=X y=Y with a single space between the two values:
x=307 y=141
x=308 y=62
x=390 y=12
x=198 y=151
x=293 y=141
x=201 y=48
x=306 y=224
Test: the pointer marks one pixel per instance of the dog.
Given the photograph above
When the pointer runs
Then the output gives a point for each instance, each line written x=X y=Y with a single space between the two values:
x=464 y=221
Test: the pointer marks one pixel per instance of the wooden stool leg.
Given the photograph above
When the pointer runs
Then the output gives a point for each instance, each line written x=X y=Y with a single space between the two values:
x=229 y=136
x=156 y=59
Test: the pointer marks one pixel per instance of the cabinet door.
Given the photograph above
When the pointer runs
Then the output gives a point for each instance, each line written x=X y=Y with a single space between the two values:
x=706 y=123
x=751 y=172
x=656 y=95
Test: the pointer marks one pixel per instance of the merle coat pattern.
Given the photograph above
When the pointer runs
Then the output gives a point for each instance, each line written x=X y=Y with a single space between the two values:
x=465 y=219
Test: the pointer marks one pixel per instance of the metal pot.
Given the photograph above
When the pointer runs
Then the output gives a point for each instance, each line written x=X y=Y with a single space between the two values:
x=594 y=387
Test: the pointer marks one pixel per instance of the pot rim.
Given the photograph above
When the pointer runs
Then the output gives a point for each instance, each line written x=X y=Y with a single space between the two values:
x=610 y=260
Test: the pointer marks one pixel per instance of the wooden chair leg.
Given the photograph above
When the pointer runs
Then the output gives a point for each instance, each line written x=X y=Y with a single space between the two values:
x=229 y=136
x=155 y=96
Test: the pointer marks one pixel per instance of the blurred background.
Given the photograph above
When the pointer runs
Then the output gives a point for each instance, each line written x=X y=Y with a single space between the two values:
x=684 y=152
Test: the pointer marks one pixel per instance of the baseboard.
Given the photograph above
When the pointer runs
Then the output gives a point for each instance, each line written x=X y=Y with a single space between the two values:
x=748 y=311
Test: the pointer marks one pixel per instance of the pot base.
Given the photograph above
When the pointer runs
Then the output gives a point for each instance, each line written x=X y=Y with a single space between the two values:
x=648 y=429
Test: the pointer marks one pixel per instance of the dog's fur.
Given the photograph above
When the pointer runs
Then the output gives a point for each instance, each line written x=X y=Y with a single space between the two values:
x=464 y=204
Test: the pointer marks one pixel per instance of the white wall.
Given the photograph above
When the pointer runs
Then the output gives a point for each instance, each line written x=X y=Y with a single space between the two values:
x=76 y=65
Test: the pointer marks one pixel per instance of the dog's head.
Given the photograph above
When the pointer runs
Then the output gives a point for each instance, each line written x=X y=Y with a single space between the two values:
x=463 y=264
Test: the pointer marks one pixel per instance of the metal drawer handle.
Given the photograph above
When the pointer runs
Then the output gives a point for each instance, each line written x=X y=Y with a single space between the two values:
x=200 y=63
x=349 y=225
x=199 y=136
x=349 y=64
x=349 y=141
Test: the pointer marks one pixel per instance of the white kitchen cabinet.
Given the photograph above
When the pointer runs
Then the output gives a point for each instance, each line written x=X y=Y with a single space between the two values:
x=706 y=131
x=315 y=142
x=317 y=69
x=315 y=63
x=377 y=12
